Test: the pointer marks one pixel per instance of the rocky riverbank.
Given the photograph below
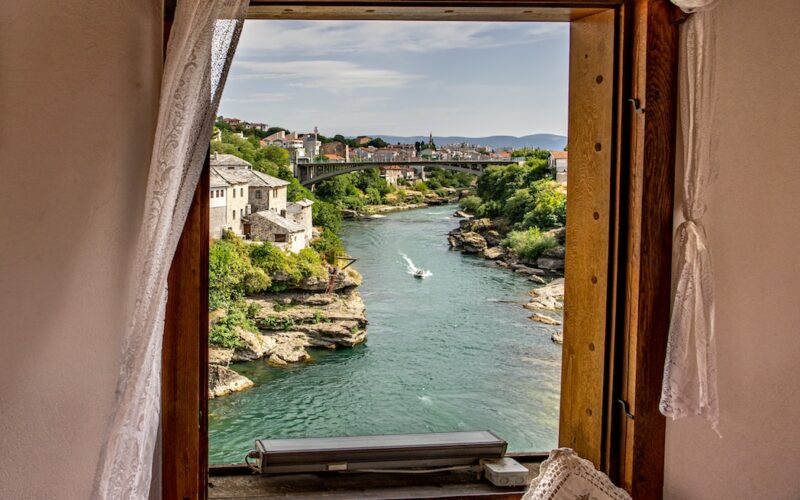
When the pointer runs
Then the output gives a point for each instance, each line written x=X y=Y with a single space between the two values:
x=288 y=323
x=484 y=237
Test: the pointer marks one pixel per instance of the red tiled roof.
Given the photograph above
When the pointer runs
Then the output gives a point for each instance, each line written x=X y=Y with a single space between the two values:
x=559 y=155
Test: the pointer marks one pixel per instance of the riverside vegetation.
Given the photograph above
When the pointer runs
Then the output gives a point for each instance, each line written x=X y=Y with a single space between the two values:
x=517 y=218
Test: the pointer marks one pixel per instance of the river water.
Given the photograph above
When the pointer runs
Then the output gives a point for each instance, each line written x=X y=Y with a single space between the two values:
x=453 y=351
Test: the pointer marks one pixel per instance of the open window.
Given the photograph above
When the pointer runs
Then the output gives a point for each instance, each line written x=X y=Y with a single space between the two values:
x=621 y=126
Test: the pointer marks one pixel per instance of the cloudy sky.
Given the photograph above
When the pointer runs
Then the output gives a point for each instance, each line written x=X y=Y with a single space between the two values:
x=401 y=78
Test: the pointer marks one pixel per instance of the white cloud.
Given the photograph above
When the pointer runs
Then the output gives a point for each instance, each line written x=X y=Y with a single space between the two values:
x=333 y=76
x=326 y=37
x=260 y=97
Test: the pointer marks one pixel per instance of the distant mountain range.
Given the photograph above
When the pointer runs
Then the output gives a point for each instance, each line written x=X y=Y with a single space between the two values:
x=545 y=141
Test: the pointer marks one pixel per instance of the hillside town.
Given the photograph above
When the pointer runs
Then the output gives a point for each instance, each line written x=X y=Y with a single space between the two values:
x=254 y=205
x=307 y=147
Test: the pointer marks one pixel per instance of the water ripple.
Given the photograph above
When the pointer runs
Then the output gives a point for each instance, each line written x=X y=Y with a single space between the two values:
x=454 y=352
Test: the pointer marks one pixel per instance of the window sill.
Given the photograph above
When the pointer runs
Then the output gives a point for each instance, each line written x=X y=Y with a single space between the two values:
x=236 y=481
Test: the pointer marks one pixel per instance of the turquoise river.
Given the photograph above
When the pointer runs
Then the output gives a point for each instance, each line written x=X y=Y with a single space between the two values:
x=453 y=351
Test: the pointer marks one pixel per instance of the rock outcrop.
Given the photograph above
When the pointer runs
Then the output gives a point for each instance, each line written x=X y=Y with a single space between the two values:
x=291 y=321
x=557 y=252
x=557 y=337
x=219 y=356
x=545 y=319
x=550 y=264
x=256 y=346
x=290 y=347
x=493 y=238
x=548 y=298
x=223 y=381
x=288 y=324
x=472 y=242
x=493 y=253
x=349 y=278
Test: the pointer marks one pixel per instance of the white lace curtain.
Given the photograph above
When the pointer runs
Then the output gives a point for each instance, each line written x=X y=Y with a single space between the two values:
x=690 y=369
x=201 y=43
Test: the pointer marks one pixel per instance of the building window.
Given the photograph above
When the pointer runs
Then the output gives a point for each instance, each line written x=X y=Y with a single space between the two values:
x=213 y=193
x=275 y=193
x=280 y=238
x=234 y=215
x=258 y=194
x=241 y=212
x=241 y=191
x=234 y=192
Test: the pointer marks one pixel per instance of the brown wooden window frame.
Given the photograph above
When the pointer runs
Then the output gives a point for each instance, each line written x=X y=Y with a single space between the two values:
x=622 y=148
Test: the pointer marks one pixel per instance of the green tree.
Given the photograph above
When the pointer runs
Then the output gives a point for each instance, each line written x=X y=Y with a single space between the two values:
x=470 y=203
x=231 y=274
x=326 y=215
x=329 y=245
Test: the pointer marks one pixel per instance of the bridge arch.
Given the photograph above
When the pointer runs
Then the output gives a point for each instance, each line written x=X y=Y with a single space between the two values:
x=312 y=173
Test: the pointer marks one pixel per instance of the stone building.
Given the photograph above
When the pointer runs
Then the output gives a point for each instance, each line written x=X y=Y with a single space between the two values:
x=218 y=205
x=228 y=194
x=558 y=165
x=300 y=212
x=336 y=148
x=282 y=232
x=254 y=205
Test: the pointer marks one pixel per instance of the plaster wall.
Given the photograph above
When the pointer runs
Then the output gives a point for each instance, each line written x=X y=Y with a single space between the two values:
x=754 y=226
x=79 y=85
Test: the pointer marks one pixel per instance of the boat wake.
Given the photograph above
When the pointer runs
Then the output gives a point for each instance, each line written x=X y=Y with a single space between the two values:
x=412 y=269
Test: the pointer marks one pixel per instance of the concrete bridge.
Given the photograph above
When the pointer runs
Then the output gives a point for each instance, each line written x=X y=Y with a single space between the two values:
x=311 y=173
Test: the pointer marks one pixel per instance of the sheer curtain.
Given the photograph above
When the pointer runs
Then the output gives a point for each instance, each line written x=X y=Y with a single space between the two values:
x=690 y=370
x=200 y=48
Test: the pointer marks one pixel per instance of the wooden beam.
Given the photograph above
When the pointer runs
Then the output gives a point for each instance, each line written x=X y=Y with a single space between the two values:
x=651 y=124
x=424 y=11
x=185 y=358
x=591 y=145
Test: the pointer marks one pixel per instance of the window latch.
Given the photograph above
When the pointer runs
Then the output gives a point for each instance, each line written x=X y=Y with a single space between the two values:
x=625 y=409
x=637 y=105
